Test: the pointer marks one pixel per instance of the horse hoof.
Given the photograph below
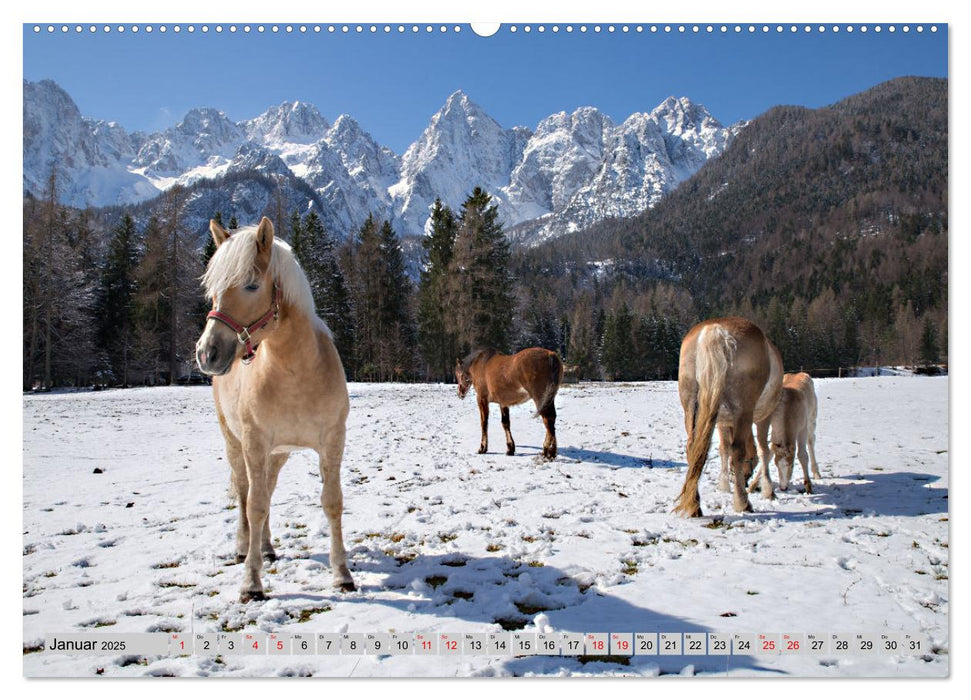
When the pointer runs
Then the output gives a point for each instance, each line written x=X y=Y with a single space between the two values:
x=346 y=587
x=240 y=558
x=482 y=450
x=249 y=596
x=510 y=451
x=269 y=556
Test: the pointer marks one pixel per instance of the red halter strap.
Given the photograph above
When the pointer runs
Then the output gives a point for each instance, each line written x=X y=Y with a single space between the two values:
x=244 y=334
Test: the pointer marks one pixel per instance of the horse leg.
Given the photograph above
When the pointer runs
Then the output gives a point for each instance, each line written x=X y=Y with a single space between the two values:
x=812 y=450
x=741 y=448
x=257 y=510
x=510 y=443
x=332 y=500
x=724 y=440
x=240 y=484
x=266 y=544
x=549 y=445
x=764 y=481
x=484 y=419
x=804 y=462
x=764 y=457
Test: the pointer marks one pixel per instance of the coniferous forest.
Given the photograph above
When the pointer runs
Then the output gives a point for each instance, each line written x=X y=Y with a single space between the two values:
x=827 y=227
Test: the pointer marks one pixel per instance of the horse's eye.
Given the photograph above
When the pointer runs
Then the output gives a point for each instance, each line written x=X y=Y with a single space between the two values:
x=251 y=287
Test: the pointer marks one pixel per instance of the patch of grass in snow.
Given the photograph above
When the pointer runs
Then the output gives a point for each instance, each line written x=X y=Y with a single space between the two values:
x=33 y=648
x=511 y=624
x=535 y=564
x=464 y=595
x=607 y=659
x=167 y=565
x=175 y=584
x=630 y=567
x=435 y=581
x=527 y=609
x=307 y=613
x=644 y=543
x=50 y=574
x=447 y=536
x=493 y=547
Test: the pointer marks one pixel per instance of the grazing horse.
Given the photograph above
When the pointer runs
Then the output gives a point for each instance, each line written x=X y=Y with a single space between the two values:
x=730 y=375
x=509 y=380
x=793 y=424
x=278 y=385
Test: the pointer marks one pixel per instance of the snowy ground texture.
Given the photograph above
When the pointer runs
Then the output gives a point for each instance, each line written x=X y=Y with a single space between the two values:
x=441 y=539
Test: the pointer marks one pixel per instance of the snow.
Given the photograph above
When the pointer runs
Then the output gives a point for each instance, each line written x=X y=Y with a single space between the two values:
x=442 y=539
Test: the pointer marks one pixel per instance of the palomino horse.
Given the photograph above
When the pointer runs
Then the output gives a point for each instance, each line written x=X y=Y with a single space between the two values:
x=278 y=384
x=793 y=424
x=729 y=375
x=509 y=380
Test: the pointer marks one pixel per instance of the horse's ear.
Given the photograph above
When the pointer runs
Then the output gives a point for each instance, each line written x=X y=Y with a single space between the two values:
x=264 y=243
x=219 y=234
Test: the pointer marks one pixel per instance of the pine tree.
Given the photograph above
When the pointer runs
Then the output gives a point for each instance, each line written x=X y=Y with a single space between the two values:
x=582 y=347
x=169 y=296
x=930 y=352
x=616 y=355
x=438 y=345
x=233 y=223
x=316 y=251
x=209 y=247
x=116 y=298
x=480 y=296
x=397 y=348
x=59 y=267
x=367 y=302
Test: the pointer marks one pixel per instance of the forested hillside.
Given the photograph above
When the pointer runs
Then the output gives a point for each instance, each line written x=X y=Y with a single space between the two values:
x=827 y=226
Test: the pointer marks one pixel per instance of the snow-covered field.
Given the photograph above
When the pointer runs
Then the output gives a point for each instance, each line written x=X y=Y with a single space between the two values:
x=441 y=539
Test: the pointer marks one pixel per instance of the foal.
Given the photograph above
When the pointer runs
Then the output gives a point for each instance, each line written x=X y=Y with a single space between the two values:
x=793 y=426
x=509 y=380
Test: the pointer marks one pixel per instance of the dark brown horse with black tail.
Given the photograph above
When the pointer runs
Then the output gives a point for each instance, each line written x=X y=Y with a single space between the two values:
x=509 y=380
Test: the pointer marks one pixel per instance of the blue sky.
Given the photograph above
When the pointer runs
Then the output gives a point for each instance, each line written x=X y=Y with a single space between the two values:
x=393 y=83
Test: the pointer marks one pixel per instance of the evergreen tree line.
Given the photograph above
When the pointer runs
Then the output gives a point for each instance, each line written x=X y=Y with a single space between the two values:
x=124 y=306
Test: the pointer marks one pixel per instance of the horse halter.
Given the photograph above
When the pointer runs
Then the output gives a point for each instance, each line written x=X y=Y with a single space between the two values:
x=244 y=334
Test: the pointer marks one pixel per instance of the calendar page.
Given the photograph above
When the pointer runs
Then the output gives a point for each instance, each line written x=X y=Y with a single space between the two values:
x=436 y=349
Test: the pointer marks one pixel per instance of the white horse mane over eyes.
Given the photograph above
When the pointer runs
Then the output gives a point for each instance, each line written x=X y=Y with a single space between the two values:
x=234 y=265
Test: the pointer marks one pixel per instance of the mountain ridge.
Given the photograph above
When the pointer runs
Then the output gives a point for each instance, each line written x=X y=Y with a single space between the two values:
x=573 y=169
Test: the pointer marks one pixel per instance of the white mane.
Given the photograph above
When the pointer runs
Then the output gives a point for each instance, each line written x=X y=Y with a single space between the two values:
x=234 y=265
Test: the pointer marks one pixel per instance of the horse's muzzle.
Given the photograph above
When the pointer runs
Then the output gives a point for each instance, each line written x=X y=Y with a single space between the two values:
x=213 y=357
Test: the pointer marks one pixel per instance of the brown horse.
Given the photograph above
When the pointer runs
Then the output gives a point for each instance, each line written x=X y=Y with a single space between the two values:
x=278 y=385
x=509 y=380
x=730 y=375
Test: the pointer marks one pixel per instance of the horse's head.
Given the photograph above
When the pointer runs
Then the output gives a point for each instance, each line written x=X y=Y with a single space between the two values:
x=245 y=300
x=463 y=377
x=785 y=456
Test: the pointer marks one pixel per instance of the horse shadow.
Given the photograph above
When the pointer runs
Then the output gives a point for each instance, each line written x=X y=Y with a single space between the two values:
x=614 y=459
x=506 y=594
x=876 y=494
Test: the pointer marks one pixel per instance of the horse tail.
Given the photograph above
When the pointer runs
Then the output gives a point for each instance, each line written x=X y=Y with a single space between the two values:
x=555 y=377
x=715 y=351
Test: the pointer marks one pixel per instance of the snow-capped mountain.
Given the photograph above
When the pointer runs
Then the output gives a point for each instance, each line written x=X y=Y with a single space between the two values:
x=572 y=170
x=462 y=147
